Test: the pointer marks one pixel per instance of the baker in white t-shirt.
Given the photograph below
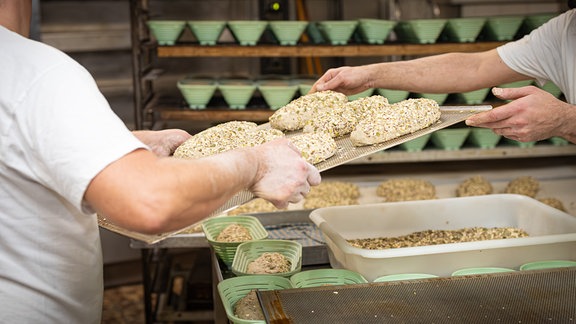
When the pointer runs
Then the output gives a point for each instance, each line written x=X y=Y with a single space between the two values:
x=546 y=54
x=65 y=156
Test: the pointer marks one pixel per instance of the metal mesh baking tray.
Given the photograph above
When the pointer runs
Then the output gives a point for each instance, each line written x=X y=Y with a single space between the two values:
x=347 y=152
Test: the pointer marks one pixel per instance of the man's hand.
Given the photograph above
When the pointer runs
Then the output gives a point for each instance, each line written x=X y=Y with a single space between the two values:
x=347 y=80
x=162 y=142
x=532 y=115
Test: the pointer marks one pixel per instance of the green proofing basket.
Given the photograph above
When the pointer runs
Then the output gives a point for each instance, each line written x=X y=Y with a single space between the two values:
x=517 y=84
x=482 y=270
x=404 y=276
x=237 y=93
x=532 y=22
x=558 y=141
x=519 y=144
x=337 y=32
x=440 y=98
x=233 y=289
x=197 y=92
x=420 y=31
x=393 y=96
x=250 y=251
x=473 y=97
x=484 y=138
x=277 y=94
x=288 y=32
x=166 y=32
x=226 y=250
x=548 y=264
x=417 y=144
x=502 y=28
x=207 y=32
x=552 y=88
x=326 y=277
x=463 y=30
x=247 y=32
x=363 y=94
x=375 y=31
x=450 y=139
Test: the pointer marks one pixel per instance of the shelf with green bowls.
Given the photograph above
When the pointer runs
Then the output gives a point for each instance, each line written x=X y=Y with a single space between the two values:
x=474 y=97
x=197 y=92
x=483 y=138
x=552 y=88
x=420 y=31
x=337 y=32
x=207 y=32
x=547 y=264
x=440 y=98
x=277 y=93
x=237 y=92
x=247 y=32
x=166 y=32
x=450 y=139
x=558 y=141
x=404 y=276
x=305 y=83
x=326 y=277
x=375 y=31
x=251 y=250
x=231 y=290
x=481 y=270
x=363 y=94
x=463 y=30
x=532 y=22
x=417 y=144
x=288 y=32
x=393 y=96
x=502 y=28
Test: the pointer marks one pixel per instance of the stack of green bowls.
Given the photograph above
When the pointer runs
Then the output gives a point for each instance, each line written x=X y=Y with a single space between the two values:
x=473 y=97
x=502 y=28
x=237 y=92
x=375 y=31
x=247 y=32
x=393 y=96
x=207 y=32
x=464 y=30
x=338 y=32
x=197 y=92
x=288 y=32
x=277 y=93
x=420 y=31
x=166 y=32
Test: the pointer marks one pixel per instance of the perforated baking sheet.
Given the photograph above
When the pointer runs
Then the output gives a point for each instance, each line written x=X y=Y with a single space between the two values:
x=347 y=152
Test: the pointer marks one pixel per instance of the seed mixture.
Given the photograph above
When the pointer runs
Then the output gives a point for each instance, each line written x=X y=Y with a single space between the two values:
x=269 y=263
x=336 y=122
x=257 y=205
x=248 y=307
x=553 y=202
x=474 y=186
x=315 y=147
x=386 y=122
x=234 y=233
x=332 y=193
x=525 y=185
x=435 y=237
x=406 y=189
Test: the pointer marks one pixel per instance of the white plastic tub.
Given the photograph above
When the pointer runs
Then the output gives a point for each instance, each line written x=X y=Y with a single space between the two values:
x=552 y=234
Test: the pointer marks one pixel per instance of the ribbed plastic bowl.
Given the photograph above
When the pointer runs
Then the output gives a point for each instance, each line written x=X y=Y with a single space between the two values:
x=421 y=31
x=207 y=32
x=197 y=93
x=250 y=251
x=277 y=94
x=237 y=93
x=558 y=141
x=547 y=264
x=337 y=32
x=552 y=89
x=247 y=32
x=326 y=277
x=233 y=289
x=226 y=250
x=440 y=98
x=532 y=22
x=502 y=28
x=288 y=32
x=464 y=30
x=404 y=276
x=480 y=270
x=375 y=31
x=393 y=96
x=450 y=139
x=519 y=144
x=166 y=32
x=417 y=144
x=473 y=97
x=363 y=94
x=483 y=138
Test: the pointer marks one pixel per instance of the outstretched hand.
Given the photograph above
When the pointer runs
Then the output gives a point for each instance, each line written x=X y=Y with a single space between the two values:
x=347 y=80
x=532 y=115
x=162 y=142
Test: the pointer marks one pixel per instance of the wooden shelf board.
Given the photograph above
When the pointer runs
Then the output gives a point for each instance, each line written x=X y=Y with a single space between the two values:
x=233 y=50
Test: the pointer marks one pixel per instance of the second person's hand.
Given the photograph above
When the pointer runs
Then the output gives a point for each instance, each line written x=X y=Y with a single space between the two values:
x=347 y=80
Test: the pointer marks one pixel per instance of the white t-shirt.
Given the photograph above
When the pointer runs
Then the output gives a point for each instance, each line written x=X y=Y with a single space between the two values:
x=57 y=132
x=547 y=54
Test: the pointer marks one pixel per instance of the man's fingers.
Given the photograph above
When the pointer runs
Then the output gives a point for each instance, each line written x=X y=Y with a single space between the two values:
x=490 y=117
x=512 y=93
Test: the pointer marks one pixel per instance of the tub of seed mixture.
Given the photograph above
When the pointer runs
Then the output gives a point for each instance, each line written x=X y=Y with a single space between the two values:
x=440 y=236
